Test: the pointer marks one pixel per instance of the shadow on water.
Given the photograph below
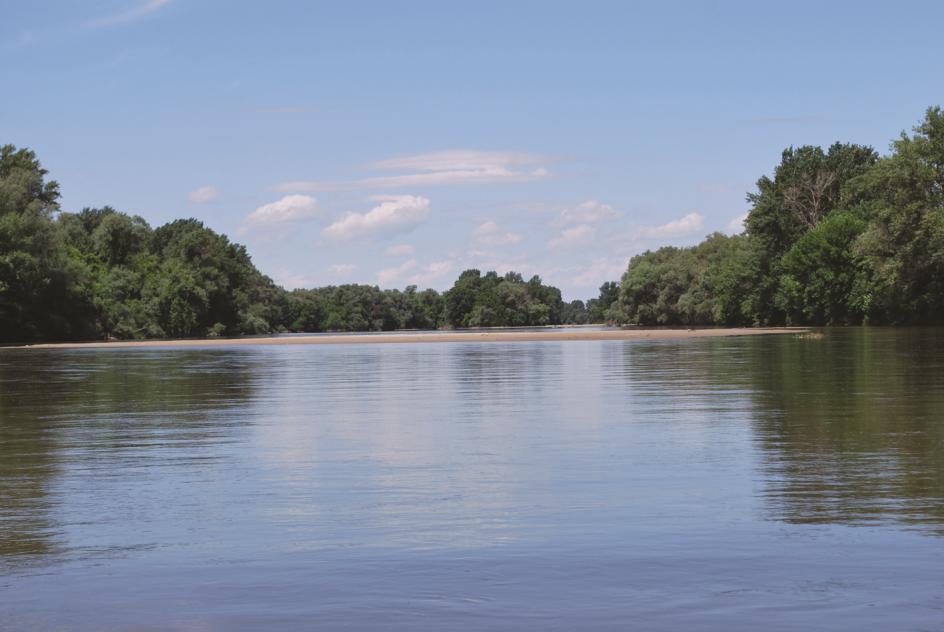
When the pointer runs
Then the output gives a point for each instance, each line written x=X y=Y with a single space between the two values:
x=849 y=427
x=102 y=414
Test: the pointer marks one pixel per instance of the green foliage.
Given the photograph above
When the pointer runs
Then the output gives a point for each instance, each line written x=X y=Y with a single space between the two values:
x=362 y=308
x=37 y=277
x=820 y=272
x=600 y=309
x=102 y=273
x=834 y=237
x=493 y=301
x=807 y=186
x=704 y=284
x=575 y=312
x=902 y=251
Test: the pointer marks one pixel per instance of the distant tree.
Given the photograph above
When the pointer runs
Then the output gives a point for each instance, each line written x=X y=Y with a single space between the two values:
x=598 y=309
x=574 y=313
x=707 y=284
x=491 y=300
x=833 y=237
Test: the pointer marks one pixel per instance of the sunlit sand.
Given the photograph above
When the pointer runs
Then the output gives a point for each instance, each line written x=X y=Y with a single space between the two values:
x=568 y=334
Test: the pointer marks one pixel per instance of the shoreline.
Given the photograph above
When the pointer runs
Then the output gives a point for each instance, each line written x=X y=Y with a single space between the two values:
x=553 y=335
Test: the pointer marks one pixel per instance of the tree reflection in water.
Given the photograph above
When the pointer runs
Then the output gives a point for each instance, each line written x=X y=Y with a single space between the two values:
x=97 y=412
x=850 y=426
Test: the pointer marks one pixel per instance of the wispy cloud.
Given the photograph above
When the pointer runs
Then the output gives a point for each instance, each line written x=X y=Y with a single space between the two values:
x=736 y=225
x=393 y=214
x=459 y=160
x=290 y=280
x=571 y=237
x=401 y=250
x=204 y=195
x=442 y=168
x=289 y=209
x=593 y=274
x=389 y=276
x=489 y=233
x=135 y=13
x=691 y=223
x=589 y=212
x=342 y=269
x=485 y=261
x=432 y=272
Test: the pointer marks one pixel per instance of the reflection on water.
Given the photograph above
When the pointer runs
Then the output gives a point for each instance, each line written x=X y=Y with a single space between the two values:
x=703 y=483
x=81 y=425
x=850 y=428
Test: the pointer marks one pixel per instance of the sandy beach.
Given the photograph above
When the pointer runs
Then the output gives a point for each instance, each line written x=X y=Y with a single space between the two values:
x=562 y=334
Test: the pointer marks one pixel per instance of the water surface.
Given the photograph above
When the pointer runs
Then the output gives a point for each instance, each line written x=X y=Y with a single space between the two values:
x=778 y=482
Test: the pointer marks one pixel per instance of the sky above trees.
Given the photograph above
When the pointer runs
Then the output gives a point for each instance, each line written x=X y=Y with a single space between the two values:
x=401 y=143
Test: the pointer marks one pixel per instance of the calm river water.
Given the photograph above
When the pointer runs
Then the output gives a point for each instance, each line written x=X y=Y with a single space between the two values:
x=767 y=482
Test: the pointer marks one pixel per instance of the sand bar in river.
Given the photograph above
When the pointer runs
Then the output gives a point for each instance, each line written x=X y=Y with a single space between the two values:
x=551 y=334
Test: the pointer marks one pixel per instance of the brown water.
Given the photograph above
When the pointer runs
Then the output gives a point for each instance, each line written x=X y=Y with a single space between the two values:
x=730 y=484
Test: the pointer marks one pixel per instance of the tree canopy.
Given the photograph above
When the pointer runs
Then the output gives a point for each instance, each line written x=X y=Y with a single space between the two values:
x=100 y=273
x=835 y=237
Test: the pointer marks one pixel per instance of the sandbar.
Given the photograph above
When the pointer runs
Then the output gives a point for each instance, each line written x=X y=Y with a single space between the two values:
x=548 y=335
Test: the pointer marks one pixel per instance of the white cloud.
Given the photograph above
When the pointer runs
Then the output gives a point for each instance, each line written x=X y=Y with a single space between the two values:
x=400 y=250
x=441 y=168
x=342 y=269
x=691 y=223
x=459 y=160
x=291 y=280
x=736 y=225
x=570 y=237
x=136 y=13
x=204 y=195
x=589 y=212
x=291 y=208
x=599 y=271
x=394 y=213
x=389 y=276
x=489 y=233
x=432 y=272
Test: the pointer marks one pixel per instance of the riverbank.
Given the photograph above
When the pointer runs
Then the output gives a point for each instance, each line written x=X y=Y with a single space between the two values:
x=567 y=334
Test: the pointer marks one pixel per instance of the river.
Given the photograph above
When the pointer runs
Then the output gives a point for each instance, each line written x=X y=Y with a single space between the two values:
x=781 y=482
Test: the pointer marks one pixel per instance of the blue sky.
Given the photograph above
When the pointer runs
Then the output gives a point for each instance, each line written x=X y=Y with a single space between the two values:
x=402 y=142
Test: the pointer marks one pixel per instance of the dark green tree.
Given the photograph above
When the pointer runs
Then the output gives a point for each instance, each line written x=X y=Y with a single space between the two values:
x=902 y=250
x=40 y=287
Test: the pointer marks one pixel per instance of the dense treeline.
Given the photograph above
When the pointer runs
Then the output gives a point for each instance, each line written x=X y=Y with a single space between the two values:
x=100 y=273
x=835 y=237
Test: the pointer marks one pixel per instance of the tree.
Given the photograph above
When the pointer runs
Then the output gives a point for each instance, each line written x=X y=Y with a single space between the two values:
x=574 y=313
x=807 y=186
x=902 y=250
x=39 y=293
x=598 y=308
x=820 y=272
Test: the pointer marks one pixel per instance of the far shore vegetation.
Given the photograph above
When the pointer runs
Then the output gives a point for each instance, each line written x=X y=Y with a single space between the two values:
x=835 y=236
